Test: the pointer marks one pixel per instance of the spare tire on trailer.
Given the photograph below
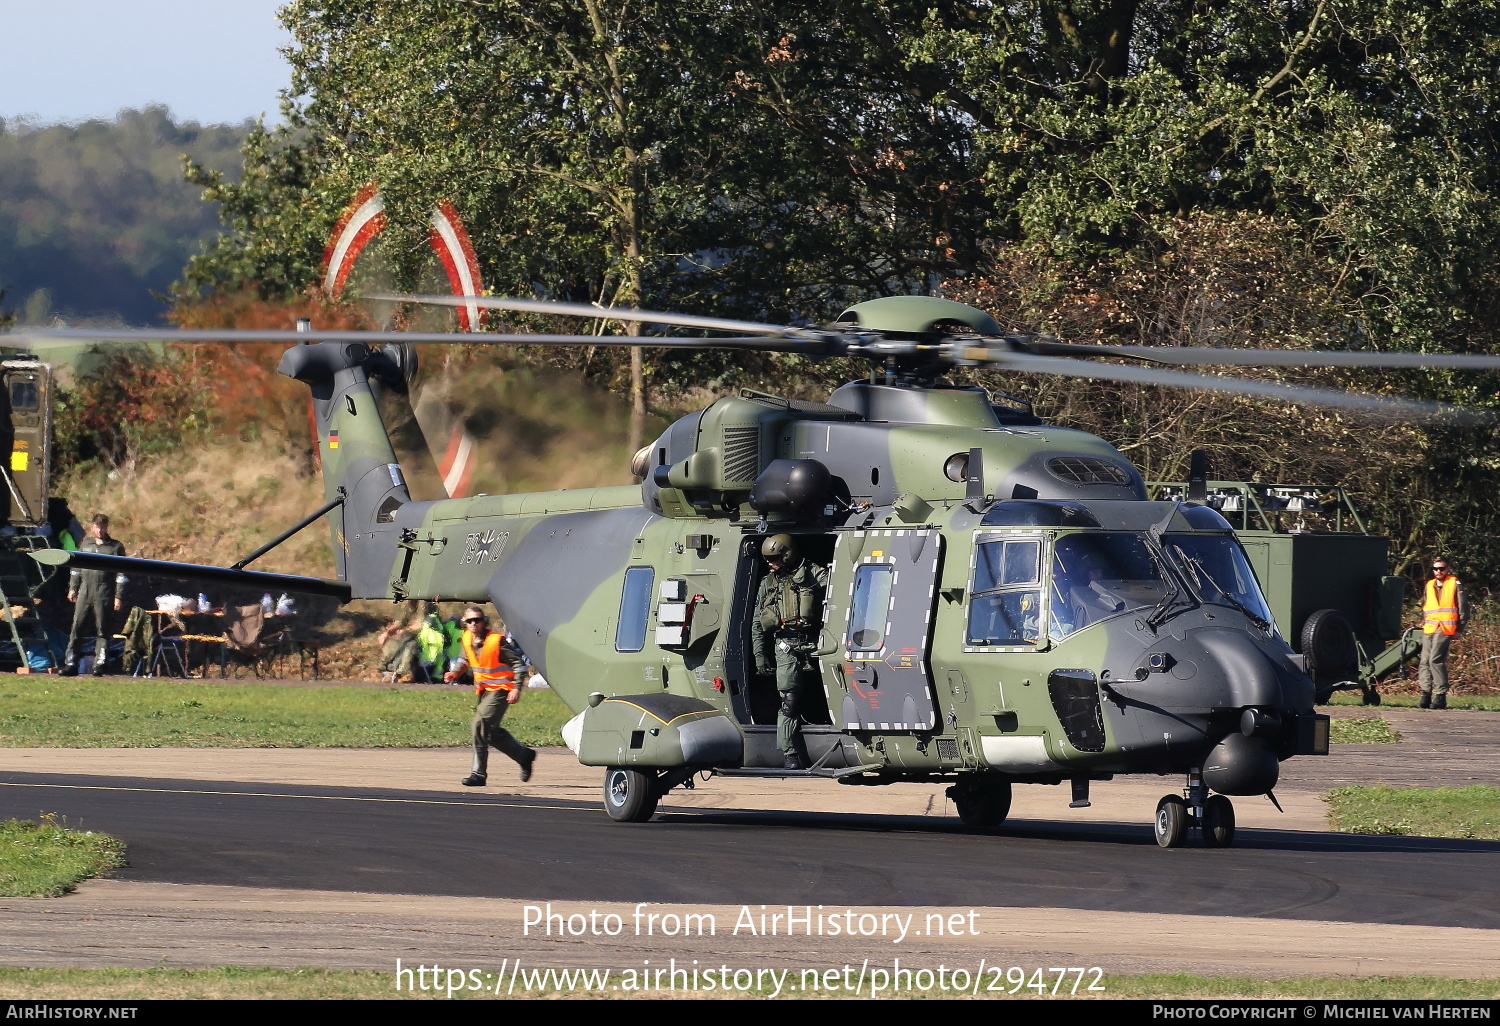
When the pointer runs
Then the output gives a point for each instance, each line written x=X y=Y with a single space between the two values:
x=1329 y=646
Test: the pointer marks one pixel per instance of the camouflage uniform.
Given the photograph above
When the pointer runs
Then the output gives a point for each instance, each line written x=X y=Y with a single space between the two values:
x=96 y=591
x=788 y=613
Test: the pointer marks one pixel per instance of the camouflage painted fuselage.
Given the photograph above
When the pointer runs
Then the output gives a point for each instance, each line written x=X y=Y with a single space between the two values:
x=963 y=665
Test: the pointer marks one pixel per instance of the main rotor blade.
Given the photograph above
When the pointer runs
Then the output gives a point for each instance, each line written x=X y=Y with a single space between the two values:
x=609 y=313
x=1270 y=357
x=1411 y=408
x=51 y=338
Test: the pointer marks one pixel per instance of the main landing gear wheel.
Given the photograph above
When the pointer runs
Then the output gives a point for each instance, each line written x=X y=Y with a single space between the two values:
x=1171 y=821
x=981 y=805
x=630 y=796
x=1218 y=822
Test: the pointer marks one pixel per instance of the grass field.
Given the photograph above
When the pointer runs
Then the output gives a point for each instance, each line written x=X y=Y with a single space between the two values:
x=229 y=984
x=86 y=712
x=1403 y=700
x=1465 y=812
x=1362 y=732
x=47 y=859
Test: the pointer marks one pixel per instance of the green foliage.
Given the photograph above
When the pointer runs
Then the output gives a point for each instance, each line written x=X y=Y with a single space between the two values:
x=1242 y=280
x=1468 y=812
x=135 y=403
x=617 y=149
x=75 y=713
x=1362 y=732
x=1309 y=173
x=95 y=217
x=47 y=859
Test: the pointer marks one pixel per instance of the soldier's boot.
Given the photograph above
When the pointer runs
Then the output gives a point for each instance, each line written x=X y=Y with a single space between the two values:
x=1440 y=702
x=1425 y=702
x=478 y=776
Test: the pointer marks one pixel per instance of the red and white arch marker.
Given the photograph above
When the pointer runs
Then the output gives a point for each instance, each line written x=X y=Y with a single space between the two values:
x=457 y=464
x=454 y=249
x=362 y=220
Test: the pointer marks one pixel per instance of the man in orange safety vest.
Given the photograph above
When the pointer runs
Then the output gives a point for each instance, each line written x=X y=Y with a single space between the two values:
x=1445 y=613
x=499 y=671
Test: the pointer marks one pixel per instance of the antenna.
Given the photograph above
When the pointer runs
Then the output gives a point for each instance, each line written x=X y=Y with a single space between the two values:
x=1198 y=476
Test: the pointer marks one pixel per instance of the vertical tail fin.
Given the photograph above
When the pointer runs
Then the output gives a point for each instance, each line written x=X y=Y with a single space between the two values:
x=357 y=456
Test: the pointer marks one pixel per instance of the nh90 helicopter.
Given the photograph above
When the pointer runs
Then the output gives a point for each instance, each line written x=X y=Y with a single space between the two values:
x=1005 y=605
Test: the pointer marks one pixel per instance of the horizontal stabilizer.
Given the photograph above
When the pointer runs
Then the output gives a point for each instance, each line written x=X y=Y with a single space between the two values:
x=193 y=572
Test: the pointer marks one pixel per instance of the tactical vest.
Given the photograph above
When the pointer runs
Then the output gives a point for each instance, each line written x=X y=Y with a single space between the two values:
x=1440 y=612
x=790 y=595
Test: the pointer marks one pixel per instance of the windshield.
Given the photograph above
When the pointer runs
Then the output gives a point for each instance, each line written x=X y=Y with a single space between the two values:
x=1098 y=575
x=1216 y=567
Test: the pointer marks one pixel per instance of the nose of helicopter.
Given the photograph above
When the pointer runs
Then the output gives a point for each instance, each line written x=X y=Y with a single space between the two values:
x=1261 y=681
x=1246 y=674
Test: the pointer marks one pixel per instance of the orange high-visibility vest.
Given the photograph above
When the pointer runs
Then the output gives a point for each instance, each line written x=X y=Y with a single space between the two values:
x=491 y=671
x=1440 y=612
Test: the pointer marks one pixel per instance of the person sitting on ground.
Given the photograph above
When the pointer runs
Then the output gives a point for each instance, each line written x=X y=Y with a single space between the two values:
x=432 y=642
x=398 y=643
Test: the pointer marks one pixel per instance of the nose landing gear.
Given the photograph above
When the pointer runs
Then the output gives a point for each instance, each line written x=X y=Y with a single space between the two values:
x=1213 y=815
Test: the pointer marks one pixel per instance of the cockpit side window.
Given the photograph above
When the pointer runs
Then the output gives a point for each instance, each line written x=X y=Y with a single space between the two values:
x=1005 y=594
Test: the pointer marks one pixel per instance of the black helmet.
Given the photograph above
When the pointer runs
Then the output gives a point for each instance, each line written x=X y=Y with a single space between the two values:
x=778 y=546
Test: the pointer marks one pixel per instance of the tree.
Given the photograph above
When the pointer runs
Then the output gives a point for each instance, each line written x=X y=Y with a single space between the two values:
x=95 y=217
x=1367 y=123
x=779 y=162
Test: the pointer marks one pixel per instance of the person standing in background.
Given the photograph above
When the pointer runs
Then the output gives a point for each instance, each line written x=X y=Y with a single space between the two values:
x=1445 y=614
x=91 y=591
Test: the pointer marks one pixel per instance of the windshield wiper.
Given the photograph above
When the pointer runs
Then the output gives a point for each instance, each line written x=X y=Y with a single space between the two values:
x=1163 y=609
x=1195 y=567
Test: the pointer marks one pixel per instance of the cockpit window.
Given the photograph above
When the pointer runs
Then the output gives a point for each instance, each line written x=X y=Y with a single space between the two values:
x=1002 y=563
x=1005 y=595
x=1216 y=567
x=1099 y=575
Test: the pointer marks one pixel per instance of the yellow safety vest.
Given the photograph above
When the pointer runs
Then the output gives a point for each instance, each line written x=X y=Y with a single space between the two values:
x=1440 y=612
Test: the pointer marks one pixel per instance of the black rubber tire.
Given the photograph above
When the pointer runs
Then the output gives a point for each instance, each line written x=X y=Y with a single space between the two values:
x=630 y=796
x=981 y=804
x=1218 y=822
x=1328 y=645
x=1171 y=824
x=1371 y=696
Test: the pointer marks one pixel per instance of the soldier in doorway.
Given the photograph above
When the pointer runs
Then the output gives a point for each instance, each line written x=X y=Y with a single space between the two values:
x=788 y=615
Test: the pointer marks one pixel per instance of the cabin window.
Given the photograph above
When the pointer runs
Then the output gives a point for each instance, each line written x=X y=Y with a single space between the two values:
x=635 y=606
x=871 y=607
x=1005 y=607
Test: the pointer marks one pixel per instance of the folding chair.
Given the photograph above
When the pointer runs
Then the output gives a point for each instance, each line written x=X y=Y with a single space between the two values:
x=243 y=626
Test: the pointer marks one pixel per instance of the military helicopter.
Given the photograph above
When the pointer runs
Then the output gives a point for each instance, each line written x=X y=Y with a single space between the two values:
x=1005 y=605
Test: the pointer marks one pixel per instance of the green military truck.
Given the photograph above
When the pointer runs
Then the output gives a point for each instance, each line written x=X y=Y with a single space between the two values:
x=1323 y=573
x=26 y=467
